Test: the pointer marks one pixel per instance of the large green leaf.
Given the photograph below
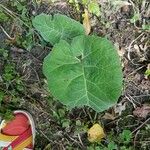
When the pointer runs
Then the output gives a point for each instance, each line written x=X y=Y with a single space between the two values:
x=85 y=72
x=54 y=28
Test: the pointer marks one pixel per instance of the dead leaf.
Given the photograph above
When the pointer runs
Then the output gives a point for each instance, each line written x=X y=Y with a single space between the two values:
x=119 y=108
x=121 y=52
x=125 y=8
x=109 y=116
x=86 y=22
x=35 y=89
x=96 y=133
x=143 y=111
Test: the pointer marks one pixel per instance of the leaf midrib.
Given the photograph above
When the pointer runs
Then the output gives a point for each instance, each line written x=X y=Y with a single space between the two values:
x=85 y=84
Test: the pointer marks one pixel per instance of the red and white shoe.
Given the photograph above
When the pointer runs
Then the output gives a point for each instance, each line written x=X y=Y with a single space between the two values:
x=19 y=133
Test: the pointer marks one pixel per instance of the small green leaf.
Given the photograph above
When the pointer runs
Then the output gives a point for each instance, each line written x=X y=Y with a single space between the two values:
x=54 y=28
x=3 y=17
x=126 y=136
x=65 y=123
x=146 y=27
x=85 y=72
x=1 y=96
x=85 y=2
x=112 y=146
x=135 y=18
x=93 y=7
x=78 y=123
x=147 y=72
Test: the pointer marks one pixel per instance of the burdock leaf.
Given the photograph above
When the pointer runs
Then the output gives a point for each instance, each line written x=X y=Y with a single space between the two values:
x=54 y=28
x=85 y=72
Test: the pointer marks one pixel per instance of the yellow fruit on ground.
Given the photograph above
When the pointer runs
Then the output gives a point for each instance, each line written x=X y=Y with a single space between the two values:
x=96 y=133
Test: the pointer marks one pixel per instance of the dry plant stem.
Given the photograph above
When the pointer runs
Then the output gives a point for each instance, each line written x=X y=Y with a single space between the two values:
x=9 y=37
x=95 y=116
x=12 y=14
x=135 y=10
x=141 y=95
x=135 y=137
x=41 y=132
x=130 y=100
x=8 y=11
x=129 y=49
x=61 y=146
x=141 y=125
x=31 y=99
x=88 y=113
x=132 y=83
x=74 y=140
x=38 y=78
x=12 y=28
x=80 y=139
x=135 y=71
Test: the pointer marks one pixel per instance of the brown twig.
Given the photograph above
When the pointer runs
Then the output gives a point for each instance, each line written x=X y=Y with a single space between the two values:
x=80 y=139
x=129 y=49
x=141 y=125
x=13 y=15
x=135 y=137
x=9 y=37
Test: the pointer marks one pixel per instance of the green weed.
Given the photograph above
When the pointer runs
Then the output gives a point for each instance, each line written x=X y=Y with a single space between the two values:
x=121 y=142
x=91 y=5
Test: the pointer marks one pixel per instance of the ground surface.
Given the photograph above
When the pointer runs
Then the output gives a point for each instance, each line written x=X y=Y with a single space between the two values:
x=23 y=86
